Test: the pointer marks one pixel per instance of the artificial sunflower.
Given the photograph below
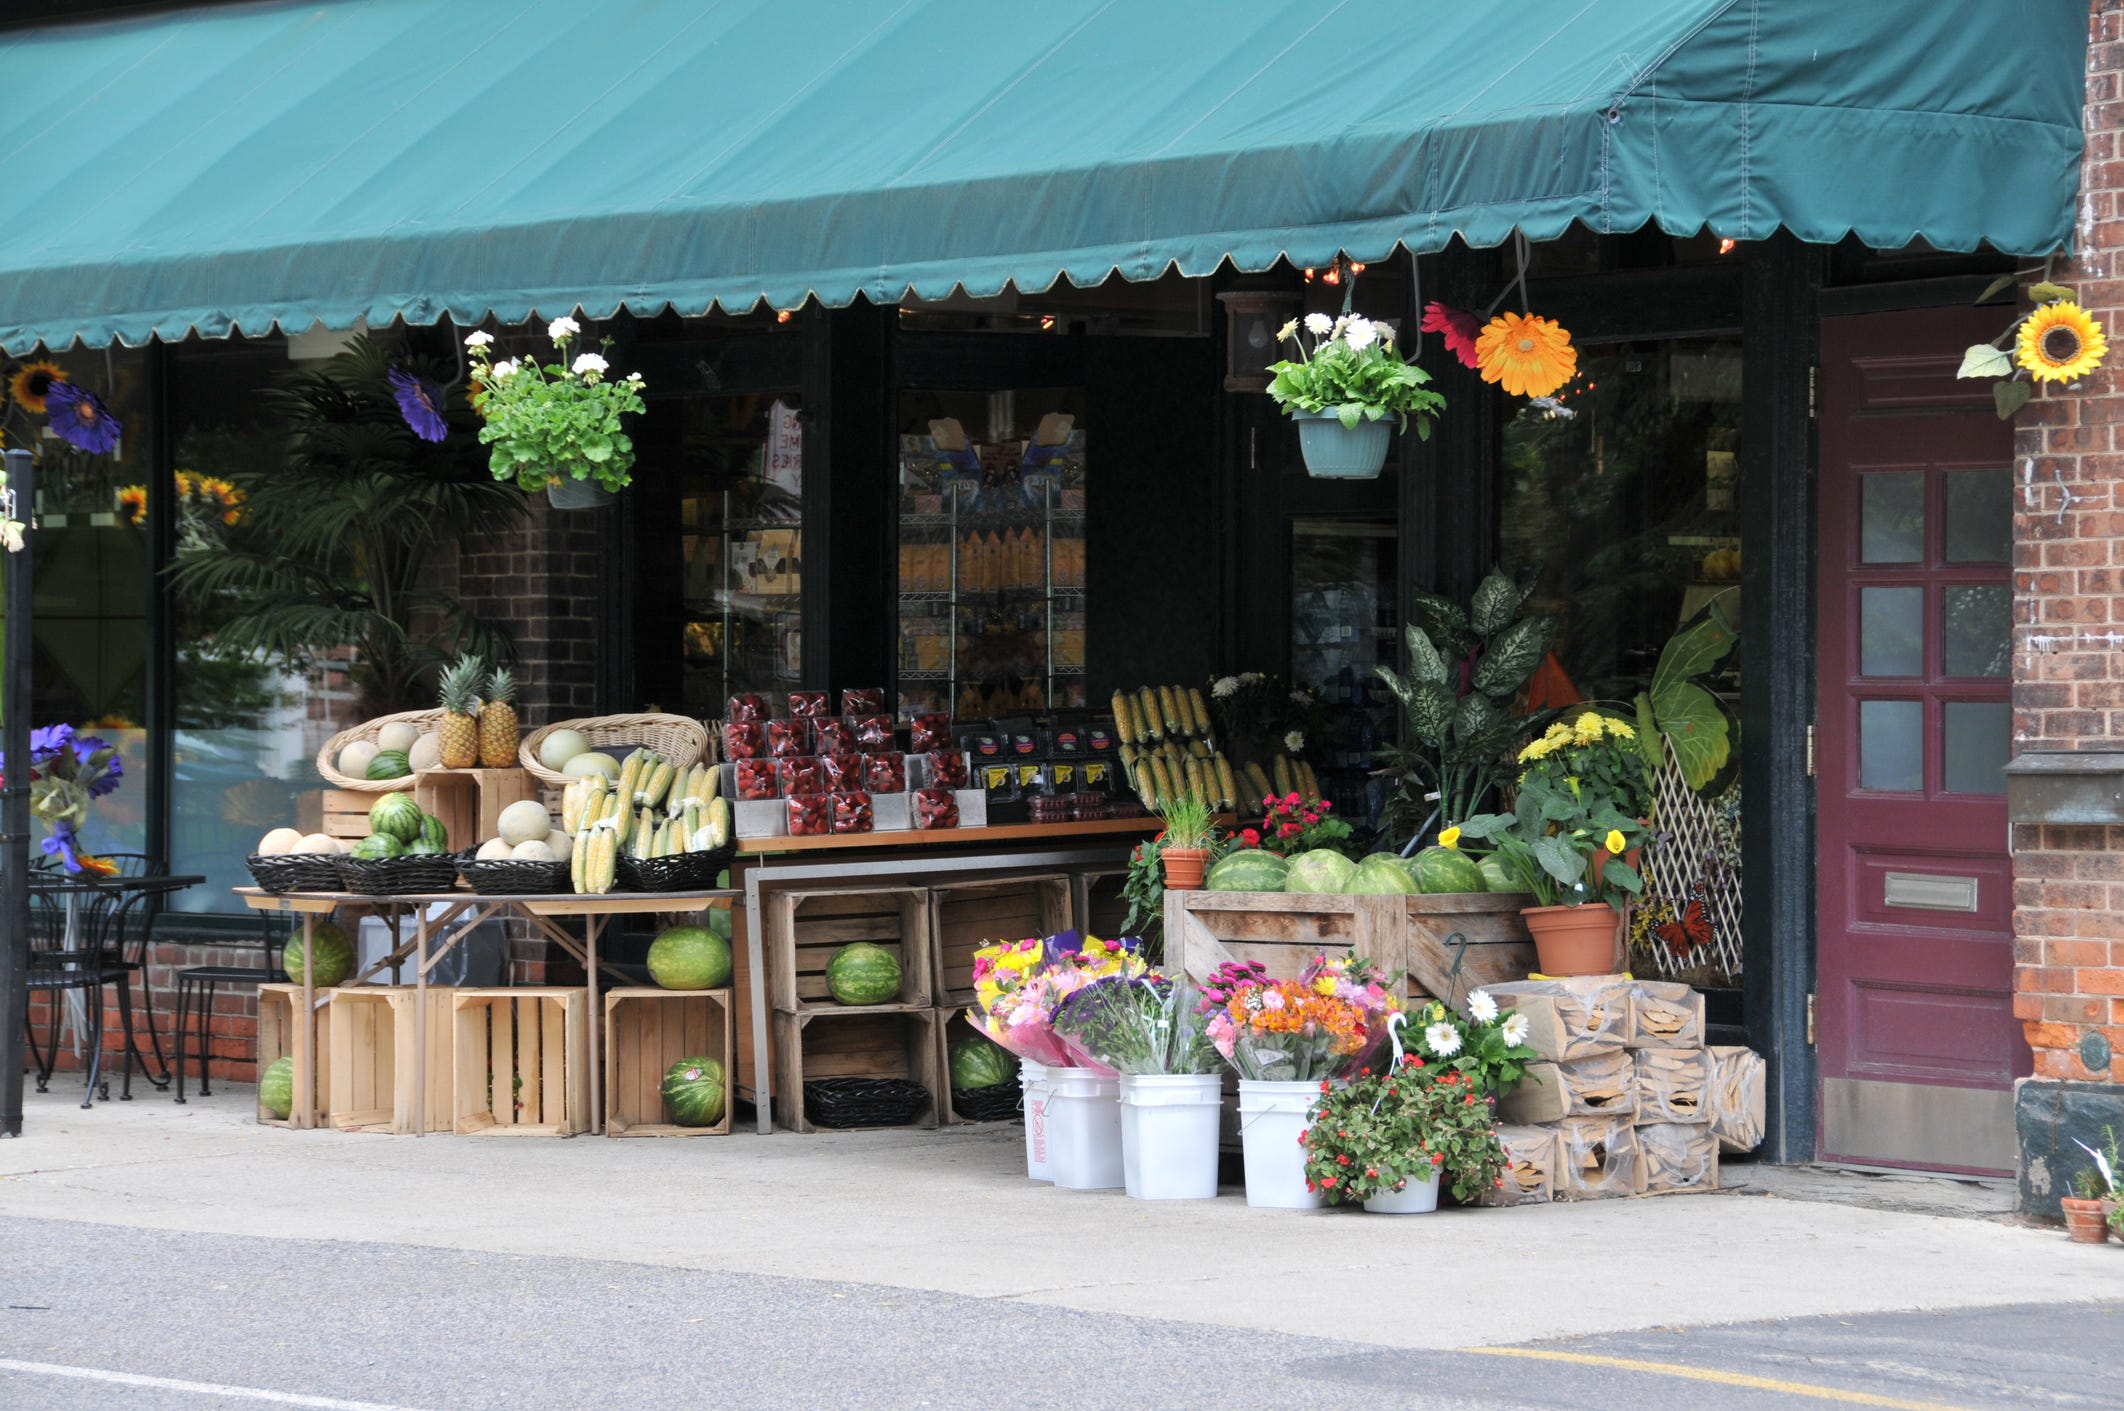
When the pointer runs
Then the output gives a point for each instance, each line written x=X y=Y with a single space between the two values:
x=132 y=503
x=32 y=382
x=2059 y=342
x=1530 y=355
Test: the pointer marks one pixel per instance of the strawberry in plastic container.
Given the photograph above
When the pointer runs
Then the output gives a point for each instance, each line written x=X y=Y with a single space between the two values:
x=928 y=731
x=788 y=737
x=744 y=739
x=756 y=779
x=885 y=773
x=746 y=709
x=831 y=736
x=801 y=774
x=935 y=808
x=810 y=815
x=851 y=813
x=843 y=771
x=862 y=700
x=944 y=769
x=808 y=705
x=872 y=732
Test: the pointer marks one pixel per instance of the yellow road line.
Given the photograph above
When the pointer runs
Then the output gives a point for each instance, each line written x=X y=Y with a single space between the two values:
x=1706 y=1374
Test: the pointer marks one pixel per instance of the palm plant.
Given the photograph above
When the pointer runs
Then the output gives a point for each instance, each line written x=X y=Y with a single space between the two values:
x=336 y=538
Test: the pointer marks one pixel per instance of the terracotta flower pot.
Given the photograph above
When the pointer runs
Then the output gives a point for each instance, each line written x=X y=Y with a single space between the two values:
x=1183 y=868
x=1575 y=940
x=2086 y=1221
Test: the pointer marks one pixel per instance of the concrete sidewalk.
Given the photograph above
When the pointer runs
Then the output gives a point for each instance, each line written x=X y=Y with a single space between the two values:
x=951 y=1211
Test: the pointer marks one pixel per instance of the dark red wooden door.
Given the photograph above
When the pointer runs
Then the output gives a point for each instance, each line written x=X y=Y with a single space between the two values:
x=1918 y=1046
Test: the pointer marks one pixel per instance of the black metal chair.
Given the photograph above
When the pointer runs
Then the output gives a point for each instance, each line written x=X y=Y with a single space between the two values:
x=196 y=987
x=130 y=934
x=67 y=959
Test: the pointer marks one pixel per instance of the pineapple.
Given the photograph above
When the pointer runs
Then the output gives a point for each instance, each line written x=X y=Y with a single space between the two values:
x=497 y=722
x=458 y=730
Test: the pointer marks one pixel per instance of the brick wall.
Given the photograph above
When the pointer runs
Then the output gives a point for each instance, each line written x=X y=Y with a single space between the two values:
x=2069 y=625
x=232 y=1025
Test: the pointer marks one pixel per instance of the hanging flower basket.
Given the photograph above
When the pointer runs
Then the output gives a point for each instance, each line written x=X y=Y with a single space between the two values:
x=1349 y=392
x=568 y=493
x=1333 y=451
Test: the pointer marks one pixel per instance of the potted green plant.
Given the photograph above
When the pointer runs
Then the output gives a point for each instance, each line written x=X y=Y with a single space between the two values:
x=2093 y=1210
x=1343 y=388
x=557 y=426
x=1187 y=843
x=1569 y=842
x=1390 y=1138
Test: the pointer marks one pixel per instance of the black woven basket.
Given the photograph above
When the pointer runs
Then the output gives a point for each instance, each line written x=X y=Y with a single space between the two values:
x=682 y=872
x=511 y=877
x=1002 y=1102
x=864 y=1102
x=295 y=872
x=399 y=876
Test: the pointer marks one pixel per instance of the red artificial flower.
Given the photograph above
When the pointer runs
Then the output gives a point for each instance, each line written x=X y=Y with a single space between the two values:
x=1459 y=327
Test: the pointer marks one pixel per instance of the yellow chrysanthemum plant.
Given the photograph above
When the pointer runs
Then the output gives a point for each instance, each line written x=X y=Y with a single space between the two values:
x=2056 y=342
x=1577 y=815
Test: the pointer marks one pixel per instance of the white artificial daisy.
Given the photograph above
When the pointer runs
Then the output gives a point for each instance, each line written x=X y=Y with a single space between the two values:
x=588 y=364
x=1248 y=678
x=1225 y=687
x=480 y=339
x=1287 y=332
x=1295 y=741
x=1515 y=1028
x=1359 y=334
x=1318 y=323
x=563 y=328
x=1442 y=1039
x=1481 y=1007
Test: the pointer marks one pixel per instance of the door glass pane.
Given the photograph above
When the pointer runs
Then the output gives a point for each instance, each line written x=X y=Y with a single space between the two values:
x=1892 y=745
x=1976 y=629
x=1892 y=631
x=1892 y=517
x=1978 y=738
x=1343 y=624
x=1979 y=516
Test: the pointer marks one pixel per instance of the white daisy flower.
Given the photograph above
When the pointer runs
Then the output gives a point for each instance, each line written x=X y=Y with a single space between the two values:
x=505 y=368
x=1225 y=687
x=1515 y=1028
x=1295 y=741
x=480 y=339
x=1287 y=332
x=1301 y=698
x=563 y=328
x=1481 y=1007
x=1359 y=334
x=587 y=364
x=1318 y=323
x=635 y=378
x=1442 y=1039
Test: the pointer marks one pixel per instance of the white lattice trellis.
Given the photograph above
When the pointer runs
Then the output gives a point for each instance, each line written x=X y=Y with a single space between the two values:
x=1696 y=853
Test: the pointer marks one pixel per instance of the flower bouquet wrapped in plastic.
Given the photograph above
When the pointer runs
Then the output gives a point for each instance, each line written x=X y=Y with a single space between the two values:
x=1318 y=1027
x=1148 y=1024
x=1018 y=986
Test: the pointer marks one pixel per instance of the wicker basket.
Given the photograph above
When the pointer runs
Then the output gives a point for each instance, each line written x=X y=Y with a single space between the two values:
x=677 y=738
x=682 y=872
x=328 y=757
x=1002 y=1103
x=500 y=877
x=399 y=876
x=295 y=872
x=864 y=1102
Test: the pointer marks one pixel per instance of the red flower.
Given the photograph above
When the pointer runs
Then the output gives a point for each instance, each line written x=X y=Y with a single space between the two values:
x=1438 y=1158
x=1323 y=1085
x=1292 y=799
x=1468 y=1101
x=1364 y=1072
x=1391 y=1092
x=1459 y=327
x=1310 y=1186
x=1327 y=1180
x=1268 y=800
x=1500 y=1183
x=1372 y=1171
x=1287 y=830
x=1253 y=839
x=1342 y=1161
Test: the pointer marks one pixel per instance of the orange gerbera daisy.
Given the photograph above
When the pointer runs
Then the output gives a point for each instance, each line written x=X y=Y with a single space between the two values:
x=132 y=503
x=32 y=381
x=1530 y=355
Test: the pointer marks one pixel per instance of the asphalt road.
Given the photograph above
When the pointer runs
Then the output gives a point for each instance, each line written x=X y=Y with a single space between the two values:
x=120 y=1319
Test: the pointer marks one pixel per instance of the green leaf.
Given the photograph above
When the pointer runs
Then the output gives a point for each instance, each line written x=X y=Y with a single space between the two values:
x=1619 y=874
x=1496 y=600
x=1513 y=655
x=2010 y=397
x=1695 y=727
x=2045 y=291
x=1566 y=864
x=1695 y=650
x=1997 y=287
x=1443 y=622
x=1430 y=710
x=1475 y=716
x=1983 y=360
x=1425 y=661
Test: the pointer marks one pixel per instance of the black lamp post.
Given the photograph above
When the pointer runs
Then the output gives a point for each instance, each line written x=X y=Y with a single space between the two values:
x=15 y=800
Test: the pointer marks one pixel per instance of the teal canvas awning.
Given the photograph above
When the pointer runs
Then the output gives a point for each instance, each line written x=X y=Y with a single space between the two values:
x=232 y=168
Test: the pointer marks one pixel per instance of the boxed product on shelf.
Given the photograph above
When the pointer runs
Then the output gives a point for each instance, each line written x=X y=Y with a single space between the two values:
x=809 y=705
x=789 y=736
x=831 y=736
x=801 y=774
x=852 y=812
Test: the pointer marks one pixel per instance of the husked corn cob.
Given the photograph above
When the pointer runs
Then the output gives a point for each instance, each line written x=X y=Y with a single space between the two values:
x=1284 y=783
x=1122 y=727
x=1147 y=717
x=658 y=783
x=577 y=857
x=1227 y=786
x=1199 y=707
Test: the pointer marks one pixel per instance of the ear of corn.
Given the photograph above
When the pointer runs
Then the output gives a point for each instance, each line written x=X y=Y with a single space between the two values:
x=1199 y=707
x=657 y=782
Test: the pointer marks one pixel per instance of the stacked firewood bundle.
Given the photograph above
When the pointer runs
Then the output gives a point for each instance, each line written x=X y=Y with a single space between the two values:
x=1627 y=1098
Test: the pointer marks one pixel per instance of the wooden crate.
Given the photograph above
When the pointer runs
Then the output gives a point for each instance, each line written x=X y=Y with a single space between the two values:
x=278 y=1006
x=1454 y=942
x=374 y=1076
x=346 y=813
x=969 y=915
x=952 y=1027
x=646 y=1031
x=803 y=927
x=470 y=801
x=862 y=1043
x=522 y=1064
x=1098 y=907
x=1282 y=930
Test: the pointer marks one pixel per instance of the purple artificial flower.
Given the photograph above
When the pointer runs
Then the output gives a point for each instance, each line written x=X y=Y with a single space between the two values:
x=113 y=770
x=63 y=845
x=79 y=418
x=420 y=403
x=48 y=743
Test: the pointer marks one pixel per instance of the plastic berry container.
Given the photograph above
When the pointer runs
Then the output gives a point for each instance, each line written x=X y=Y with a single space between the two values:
x=944 y=769
x=756 y=779
x=747 y=708
x=842 y=772
x=863 y=700
x=810 y=815
x=830 y=736
x=935 y=808
x=788 y=737
x=928 y=731
x=852 y=813
x=885 y=772
x=872 y=732
x=809 y=705
x=800 y=774
x=744 y=739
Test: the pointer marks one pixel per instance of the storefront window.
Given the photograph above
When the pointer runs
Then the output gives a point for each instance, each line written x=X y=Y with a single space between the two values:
x=741 y=498
x=1344 y=622
x=991 y=562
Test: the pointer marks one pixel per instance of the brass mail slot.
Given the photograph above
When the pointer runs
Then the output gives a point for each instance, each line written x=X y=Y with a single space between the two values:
x=1931 y=892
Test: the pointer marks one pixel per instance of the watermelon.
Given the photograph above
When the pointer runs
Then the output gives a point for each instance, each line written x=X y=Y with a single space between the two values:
x=424 y=847
x=1321 y=870
x=389 y=764
x=1437 y=870
x=329 y=947
x=397 y=815
x=862 y=973
x=377 y=846
x=276 y=1088
x=1381 y=874
x=1248 y=870
x=689 y=958
x=978 y=1063
x=693 y=1092
x=432 y=832
x=1496 y=877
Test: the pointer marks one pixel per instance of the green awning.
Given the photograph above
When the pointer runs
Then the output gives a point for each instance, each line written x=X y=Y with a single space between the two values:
x=232 y=168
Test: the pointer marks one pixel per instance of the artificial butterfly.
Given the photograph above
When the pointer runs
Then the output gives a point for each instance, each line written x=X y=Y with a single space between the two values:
x=1690 y=931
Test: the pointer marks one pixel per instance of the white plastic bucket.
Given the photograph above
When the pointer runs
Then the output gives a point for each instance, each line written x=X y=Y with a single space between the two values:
x=1083 y=1130
x=1169 y=1134
x=1411 y=1199
x=1271 y=1115
x=1032 y=1077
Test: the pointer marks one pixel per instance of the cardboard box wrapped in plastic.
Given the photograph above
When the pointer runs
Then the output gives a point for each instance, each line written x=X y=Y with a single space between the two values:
x=1598 y=1160
x=1672 y=1085
x=1665 y=1014
x=1531 y=1155
x=1570 y=1018
x=1603 y=1084
x=1735 y=1098
x=1678 y=1156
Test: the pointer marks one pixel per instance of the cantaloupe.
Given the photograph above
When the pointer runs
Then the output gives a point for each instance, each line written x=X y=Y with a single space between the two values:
x=533 y=851
x=397 y=735
x=426 y=752
x=558 y=748
x=563 y=845
x=524 y=821
x=319 y=843
x=354 y=759
x=583 y=766
x=494 y=850
x=279 y=841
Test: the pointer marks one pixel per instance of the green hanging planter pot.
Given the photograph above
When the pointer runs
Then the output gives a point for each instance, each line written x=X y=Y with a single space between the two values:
x=568 y=493
x=1333 y=451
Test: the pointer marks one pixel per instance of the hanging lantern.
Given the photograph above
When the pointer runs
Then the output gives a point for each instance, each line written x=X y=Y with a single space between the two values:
x=1252 y=317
